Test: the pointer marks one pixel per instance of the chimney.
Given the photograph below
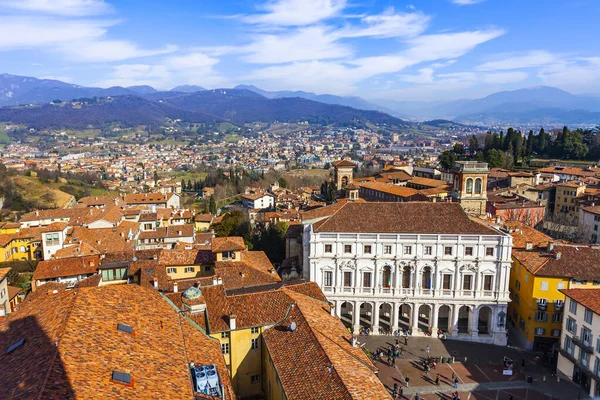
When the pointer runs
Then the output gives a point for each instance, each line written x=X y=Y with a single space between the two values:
x=332 y=311
x=174 y=287
x=550 y=247
x=156 y=284
x=215 y=281
x=37 y=213
x=528 y=246
x=219 y=280
x=558 y=255
x=232 y=321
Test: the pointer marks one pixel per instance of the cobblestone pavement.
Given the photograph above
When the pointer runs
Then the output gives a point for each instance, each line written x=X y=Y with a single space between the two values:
x=477 y=366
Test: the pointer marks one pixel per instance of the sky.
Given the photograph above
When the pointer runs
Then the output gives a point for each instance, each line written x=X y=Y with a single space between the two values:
x=418 y=50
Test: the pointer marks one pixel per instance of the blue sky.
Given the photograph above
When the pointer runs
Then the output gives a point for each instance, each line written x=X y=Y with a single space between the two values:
x=401 y=50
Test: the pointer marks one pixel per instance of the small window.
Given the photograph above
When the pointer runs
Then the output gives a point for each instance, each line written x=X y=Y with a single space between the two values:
x=347 y=248
x=557 y=317
x=328 y=248
x=489 y=251
x=541 y=316
x=125 y=328
x=367 y=279
x=224 y=348
x=467 y=282
x=121 y=377
x=573 y=307
x=448 y=251
x=347 y=279
x=254 y=379
x=224 y=335
x=571 y=325
x=171 y=270
x=428 y=250
x=254 y=343
x=189 y=270
x=555 y=332
x=408 y=250
x=15 y=346
x=447 y=282
x=468 y=251
x=561 y=285
x=254 y=330
x=367 y=249
x=588 y=315
x=488 y=282
x=328 y=278
x=207 y=268
x=540 y=331
x=544 y=285
x=387 y=249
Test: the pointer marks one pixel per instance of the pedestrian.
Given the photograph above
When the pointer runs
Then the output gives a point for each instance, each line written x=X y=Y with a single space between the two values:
x=456 y=383
x=397 y=342
x=437 y=380
x=406 y=380
x=401 y=394
x=406 y=340
x=428 y=370
x=453 y=376
x=434 y=363
x=394 y=362
x=389 y=361
x=396 y=387
x=417 y=396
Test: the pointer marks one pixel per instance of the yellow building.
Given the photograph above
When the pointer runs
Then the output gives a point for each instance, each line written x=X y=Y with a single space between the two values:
x=538 y=274
x=202 y=222
x=565 y=203
x=14 y=248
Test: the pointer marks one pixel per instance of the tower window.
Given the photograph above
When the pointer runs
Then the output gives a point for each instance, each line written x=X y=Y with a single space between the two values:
x=469 y=185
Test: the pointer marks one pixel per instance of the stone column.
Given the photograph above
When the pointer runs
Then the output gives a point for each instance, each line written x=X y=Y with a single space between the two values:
x=338 y=308
x=434 y=319
x=394 y=317
x=454 y=320
x=414 y=321
x=473 y=321
x=375 y=318
x=376 y=279
x=356 y=318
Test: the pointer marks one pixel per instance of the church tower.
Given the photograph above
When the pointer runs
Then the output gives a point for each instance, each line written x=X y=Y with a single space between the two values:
x=470 y=186
x=344 y=171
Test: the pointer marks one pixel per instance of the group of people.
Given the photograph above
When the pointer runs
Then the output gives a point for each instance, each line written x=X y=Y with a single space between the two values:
x=455 y=396
x=393 y=352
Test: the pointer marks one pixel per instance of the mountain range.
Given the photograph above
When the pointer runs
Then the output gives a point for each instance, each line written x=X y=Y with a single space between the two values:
x=536 y=105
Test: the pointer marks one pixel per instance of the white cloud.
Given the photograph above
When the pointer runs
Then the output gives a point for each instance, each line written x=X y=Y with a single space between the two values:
x=27 y=32
x=311 y=43
x=59 y=7
x=109 y=50
x=194 y=68
x=67 y=79
x=579 y=75
x=389 y=24
x=506 y=61
x=425 y=75
x=297 y=12
x=466 y=2
x=504 y=77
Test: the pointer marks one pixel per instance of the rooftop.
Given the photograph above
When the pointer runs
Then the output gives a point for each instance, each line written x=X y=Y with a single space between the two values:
x=589 y=298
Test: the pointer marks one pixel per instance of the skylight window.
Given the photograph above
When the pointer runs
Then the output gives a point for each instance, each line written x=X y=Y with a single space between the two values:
x=125 y=328
x=15 y=346
x=121 y=377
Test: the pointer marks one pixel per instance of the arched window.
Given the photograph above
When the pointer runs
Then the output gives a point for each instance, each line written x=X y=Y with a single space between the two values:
x=426 y=282
x=478 y=185
x=406 y=277
x=387 y=276
x=469 y=185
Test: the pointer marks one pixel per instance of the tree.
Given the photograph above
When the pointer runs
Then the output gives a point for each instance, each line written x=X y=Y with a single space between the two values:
x=283 y=183
x=473 y=145
x=495 y=158
x=542 y=143
x=212 y=205
x=189 y=185
x=529 y=147
x=459 y=149
x=155 y=177
x=330 y=193
x=183 y=184
x=448 y=159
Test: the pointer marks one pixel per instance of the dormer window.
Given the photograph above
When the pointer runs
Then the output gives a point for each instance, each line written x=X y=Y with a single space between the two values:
x=122 y=378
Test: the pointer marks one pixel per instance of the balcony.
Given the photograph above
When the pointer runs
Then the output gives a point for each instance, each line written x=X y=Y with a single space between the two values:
x=559 y=305
x=542 y=306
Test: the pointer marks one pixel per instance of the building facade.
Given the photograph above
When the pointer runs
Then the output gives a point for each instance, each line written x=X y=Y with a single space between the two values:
x=385 y=266
x=579 y=357
x=470 y=186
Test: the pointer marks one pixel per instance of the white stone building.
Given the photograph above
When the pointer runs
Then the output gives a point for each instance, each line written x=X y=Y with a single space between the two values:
x=417 y=266
x=589 y=223
x=579 y=356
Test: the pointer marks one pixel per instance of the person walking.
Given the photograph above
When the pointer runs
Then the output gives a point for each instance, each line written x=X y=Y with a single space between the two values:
x=394 y=362
x=406 y=340
x=406 y=380
x=456 y=383
x=389 y=361
x=453 y=376
x=417 y=396
x=437 y=380
x=434 y=363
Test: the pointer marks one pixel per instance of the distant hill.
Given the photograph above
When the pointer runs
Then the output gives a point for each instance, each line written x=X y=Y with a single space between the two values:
x=142 y=89
x=349 y=101
x=187 y=89
x=243 y=106
x=127 y=110
x=540 y=116
x=522 y=104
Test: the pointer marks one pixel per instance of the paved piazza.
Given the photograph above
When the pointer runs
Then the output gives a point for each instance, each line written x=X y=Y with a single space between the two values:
x=480 y=374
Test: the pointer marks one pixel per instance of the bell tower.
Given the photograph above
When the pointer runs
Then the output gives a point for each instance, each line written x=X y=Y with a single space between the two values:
x=470 y=186
x=344 y=171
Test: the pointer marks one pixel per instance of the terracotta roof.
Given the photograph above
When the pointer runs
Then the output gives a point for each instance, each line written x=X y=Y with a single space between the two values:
x=230 y=243
x=66 y=267
x=254 y=269
x=441 y=218
x=400 y=191
x=185 y=257
x=145 y=198
x=589 y=298
x=343 y=163
x=428 y=182
x=575 y=262
x=59 y=213
x=255 y=196
x=92 y=201
x=13 y=291
x=90 y=281
x=148 y=217
x=320 y=212
x=321 y=344
x=203 y=217
x=592 y=209
x=106 y=240
x=78 y=250
x=74 y=340
x=522 y=234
